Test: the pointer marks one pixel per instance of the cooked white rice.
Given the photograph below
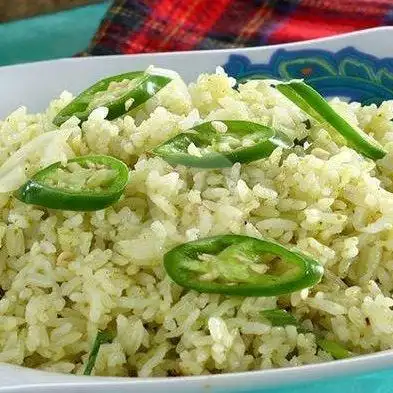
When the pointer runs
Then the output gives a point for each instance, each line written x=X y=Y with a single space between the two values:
x=64 y=275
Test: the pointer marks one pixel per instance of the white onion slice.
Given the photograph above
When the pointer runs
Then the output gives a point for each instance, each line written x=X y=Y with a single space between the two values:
x=52 y=147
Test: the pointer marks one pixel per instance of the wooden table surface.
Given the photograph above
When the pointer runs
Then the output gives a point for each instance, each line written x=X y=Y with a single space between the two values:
x=16 y=9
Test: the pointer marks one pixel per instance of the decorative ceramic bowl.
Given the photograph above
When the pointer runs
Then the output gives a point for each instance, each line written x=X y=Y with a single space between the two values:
x=357 y=66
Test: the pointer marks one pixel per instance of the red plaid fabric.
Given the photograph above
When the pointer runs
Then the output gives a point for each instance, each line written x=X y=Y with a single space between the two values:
x=136 y=26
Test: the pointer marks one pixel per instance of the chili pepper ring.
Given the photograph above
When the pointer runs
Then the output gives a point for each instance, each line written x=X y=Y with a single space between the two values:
x=235 y=265
x=262 y=140
x=139 y=87
x=311 y=102
x=39 y=191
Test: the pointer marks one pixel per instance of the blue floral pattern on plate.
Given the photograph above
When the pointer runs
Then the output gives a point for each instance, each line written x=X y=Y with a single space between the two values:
x=348 y=73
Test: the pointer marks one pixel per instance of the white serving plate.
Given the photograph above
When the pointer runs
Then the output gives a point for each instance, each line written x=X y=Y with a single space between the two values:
x=35 y=84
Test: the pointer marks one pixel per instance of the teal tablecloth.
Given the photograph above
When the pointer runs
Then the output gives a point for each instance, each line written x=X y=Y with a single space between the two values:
x=49 y=36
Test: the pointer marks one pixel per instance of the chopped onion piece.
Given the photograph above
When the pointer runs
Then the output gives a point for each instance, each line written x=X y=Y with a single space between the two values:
x=52 y=147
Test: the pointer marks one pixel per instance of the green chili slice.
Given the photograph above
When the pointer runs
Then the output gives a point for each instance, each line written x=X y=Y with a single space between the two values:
x=82 y=184
x=311 y=102
x=235 y=265
x=241 y=141
x=334 y=348
x=102 y=337
x=279 y=317
x=119 y=94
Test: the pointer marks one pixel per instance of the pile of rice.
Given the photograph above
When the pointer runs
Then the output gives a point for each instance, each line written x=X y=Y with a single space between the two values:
x=65 y=275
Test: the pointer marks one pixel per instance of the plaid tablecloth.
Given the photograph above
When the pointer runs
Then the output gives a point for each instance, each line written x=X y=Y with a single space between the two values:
x=135 y=26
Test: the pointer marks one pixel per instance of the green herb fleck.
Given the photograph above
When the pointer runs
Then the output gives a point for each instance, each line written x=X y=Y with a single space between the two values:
x=300 y=142
x=307 y=123
x=335 y=349
x=101 y=338
x=280 y=318
x=283 y=318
